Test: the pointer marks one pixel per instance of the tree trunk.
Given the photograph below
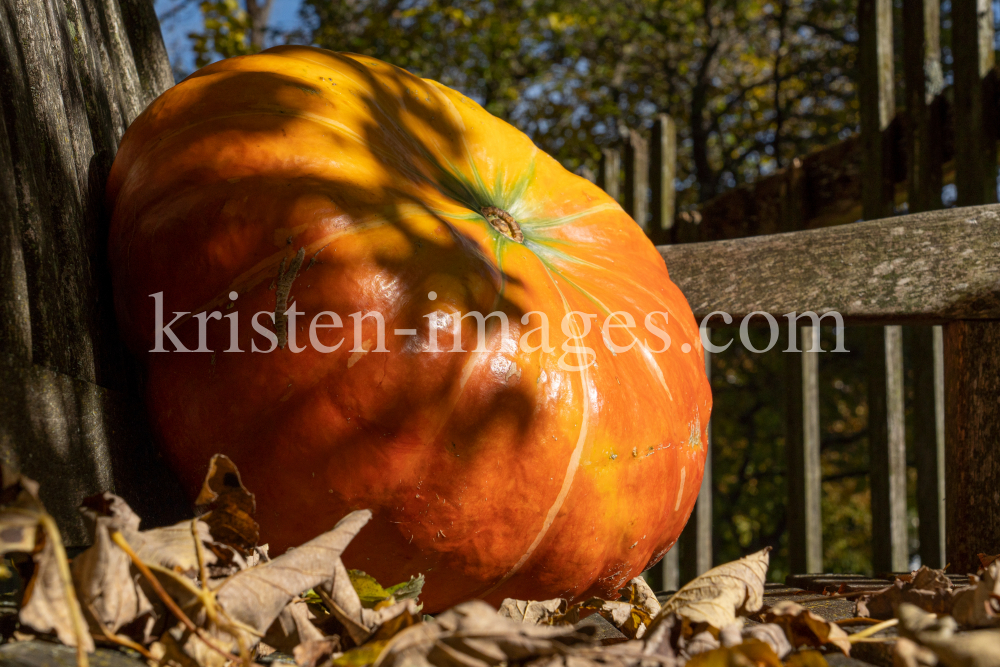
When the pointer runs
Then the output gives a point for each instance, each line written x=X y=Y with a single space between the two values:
x=75 y=73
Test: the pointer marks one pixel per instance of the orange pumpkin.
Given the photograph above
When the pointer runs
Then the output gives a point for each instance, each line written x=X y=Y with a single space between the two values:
x=335 y=183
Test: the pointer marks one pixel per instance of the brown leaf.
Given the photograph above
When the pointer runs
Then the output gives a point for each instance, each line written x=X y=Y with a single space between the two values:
x=980 y=648
x=255 y=596
x=312 y=653
x=536 y=612
x=472 y=634
x=978 y=606
x=771 y=634
x=806 y=659
x=986 y=560
x=806 y=628
x=228 y=507
x=638 y=593
x=927 y=588
x=908 y=653
x=292 y=627
x=720 y=595
x=49 y=603
x=105 y=581
x=750 y=652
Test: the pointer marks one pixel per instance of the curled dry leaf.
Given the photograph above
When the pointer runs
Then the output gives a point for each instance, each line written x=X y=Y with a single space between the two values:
x=926 y=588
x=472 y=634
x=908 y=653
x=750 y=652
x=536 y=612
x=312 y=653
x=228 y=507
x=771 y=634
x=986 y=560
x=255 y=597
x=292 y=627
x=105 y=581
x=722 y=594
x=638 y=593
x=978 y=606
x=806 y=628
x=979 y=648
x=49 y=603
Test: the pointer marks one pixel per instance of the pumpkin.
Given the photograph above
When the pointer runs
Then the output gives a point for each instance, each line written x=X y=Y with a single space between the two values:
x=348 y=190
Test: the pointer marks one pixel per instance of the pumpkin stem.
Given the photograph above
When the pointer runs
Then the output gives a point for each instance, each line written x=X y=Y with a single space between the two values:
x=503 y=222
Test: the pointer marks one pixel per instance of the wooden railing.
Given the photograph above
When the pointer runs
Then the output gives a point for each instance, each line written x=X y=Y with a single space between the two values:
x=936 y=267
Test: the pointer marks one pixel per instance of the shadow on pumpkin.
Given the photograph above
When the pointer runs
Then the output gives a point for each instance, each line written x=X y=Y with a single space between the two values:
x=431 y=441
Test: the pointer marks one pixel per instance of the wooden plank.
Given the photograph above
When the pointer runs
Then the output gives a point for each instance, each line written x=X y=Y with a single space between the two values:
x=972 y=422
x=924 y=82
x=671 y=569
x=927 y=353
x=923 y=268
x=609 y=172
x=802 y=447
x=75 y=73
x=972 y=371
x=887 y=448
x=975 y=99
x=695 y=553
x=637 y=179
x=663 y=170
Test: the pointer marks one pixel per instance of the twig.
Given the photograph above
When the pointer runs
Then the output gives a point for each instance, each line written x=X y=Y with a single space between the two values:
x=857 y=620
x=76 y=616
x=121 y=640
x=868 y=632
x=119 y=539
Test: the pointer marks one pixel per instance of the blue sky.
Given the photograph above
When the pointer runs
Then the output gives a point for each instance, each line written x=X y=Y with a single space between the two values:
x=284 y=16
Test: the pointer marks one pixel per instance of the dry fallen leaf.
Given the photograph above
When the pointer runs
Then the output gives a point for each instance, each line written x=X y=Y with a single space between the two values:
x=986 y=560
x=806 y=628
x=472 y=634
x=979 y=648
x=536 y=612
x=908 y=653
x=292 y=627
x=255 y=597
x=978 y=606
x=104 y=576
x=927 y=588
x=750 y=652
x=722 y=594
x=638 y=593
x=771 y=634
x=49 y=603
x=228 y=507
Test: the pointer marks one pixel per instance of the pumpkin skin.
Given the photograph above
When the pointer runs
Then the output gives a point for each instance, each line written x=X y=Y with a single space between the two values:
x=495 y=473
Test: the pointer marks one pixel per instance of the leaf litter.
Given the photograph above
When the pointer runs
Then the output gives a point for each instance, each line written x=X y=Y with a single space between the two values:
x=204 y=593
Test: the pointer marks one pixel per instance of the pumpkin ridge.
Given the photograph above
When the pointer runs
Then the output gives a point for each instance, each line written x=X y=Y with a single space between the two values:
x=574 y=460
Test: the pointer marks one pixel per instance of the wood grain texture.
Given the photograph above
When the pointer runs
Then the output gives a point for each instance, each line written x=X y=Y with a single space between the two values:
x=928 y=267
x=972 y=422
x=75 y=73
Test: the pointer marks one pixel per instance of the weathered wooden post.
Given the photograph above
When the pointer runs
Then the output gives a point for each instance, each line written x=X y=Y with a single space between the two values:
x=802 y=432
x=637 y=179
x=886 y=437
x=802 y=448
x=971 y=360
x=663 y=171
x=609 y=172
x=75 y=73
x=924 y=109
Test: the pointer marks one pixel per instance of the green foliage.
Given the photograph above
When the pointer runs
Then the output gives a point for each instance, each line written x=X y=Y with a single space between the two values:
x=226 y=32
x=750 y=83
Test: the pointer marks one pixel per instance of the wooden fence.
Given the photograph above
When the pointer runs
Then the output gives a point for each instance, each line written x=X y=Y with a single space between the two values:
x=921 y=270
